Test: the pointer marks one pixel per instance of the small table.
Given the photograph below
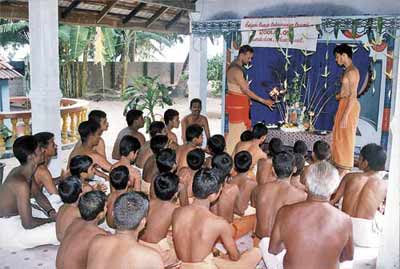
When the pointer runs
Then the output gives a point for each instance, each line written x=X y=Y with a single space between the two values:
x=289 y=138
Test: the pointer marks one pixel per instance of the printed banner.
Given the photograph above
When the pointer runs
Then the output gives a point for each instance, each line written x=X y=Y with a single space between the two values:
x=292 y=32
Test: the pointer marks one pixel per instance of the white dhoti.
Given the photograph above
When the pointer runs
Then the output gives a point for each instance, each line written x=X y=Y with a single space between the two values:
x=14 y=237
x=271 y=261
x=366 y=233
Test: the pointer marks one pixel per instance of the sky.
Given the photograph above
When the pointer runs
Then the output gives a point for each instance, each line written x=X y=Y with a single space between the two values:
x=176 y=53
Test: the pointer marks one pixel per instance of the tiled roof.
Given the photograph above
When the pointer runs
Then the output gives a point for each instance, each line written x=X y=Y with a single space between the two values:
x=7 y=71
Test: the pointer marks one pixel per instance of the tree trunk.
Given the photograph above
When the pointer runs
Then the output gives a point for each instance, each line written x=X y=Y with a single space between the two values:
x=84 y=76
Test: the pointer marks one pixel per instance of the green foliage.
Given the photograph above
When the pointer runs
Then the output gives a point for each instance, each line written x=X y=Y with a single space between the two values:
x=146 y=93
x=5 y=132
x=13 y=33
x=214 y=74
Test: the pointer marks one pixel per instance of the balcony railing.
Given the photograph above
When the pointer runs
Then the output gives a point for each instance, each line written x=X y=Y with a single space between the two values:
x=73 y=112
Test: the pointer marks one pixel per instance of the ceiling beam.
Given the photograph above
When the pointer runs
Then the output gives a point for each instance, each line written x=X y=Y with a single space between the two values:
x=156 y=16
x=106 y=9
x=178 y=4
x=71 y=6
x=133 y=12
x=175 y=19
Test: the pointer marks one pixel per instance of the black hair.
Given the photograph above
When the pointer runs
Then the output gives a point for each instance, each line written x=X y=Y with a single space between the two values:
x=119 y=177
x=97 y=115
x=321 y=150
x=300 y=147
x=299 y=163
x=246 y=136
x=87 y=128
x=69 y=189
x=128 y=144
x=129 y=210
x=80 y=164
x=23 y=147
x=283 y=164
x=169 y=115
x=91 y=204
x=158 y=143
x=133 y=115
x=216 y=144
x=43 y=138
x=243 y=161
x=343 y=49
x=193 y=131
x=166 y=185
x=195 y=159
x=245 y=48
x=224 y=163
x=375 y=155
x=156 y=127
x=165 y=160
x=205 y=183
x=194 y=101
x=274 y=146
x=259 y=130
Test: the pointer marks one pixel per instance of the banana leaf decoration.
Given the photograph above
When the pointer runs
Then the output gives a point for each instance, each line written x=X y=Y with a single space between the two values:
x=354 y=25
x=291 y=34
x=379 y=25
x=277 y=34
x=336 y=30
x=252 y=35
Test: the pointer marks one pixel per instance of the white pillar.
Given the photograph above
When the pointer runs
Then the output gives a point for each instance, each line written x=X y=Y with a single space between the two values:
x=389 y=251
x=198 y=70
x=45 y=91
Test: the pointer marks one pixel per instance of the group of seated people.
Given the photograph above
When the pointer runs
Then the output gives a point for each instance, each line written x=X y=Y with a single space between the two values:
x=165 y=205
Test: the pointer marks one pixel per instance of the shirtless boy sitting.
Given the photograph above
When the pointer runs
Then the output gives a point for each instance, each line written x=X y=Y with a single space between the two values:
x=166 y=187
x=19 y=229
x=135 y=121
x=73 y=250
x=171 y=119
x=122 y=249
x=119 y=179
x=323 y=237
x=156 y=128
x=299 y=167
x=194 y=139
x=90 y=132
x=195 y=230
x=42 y=176
x=165 y=162
x=321 y=152
x=195 y=118
x=274 y=195
x=264 y=166
x=195 y=160
x=82 y=166
x=215 y=145
x=70 y=189
x=128 y=149
x=364 y=195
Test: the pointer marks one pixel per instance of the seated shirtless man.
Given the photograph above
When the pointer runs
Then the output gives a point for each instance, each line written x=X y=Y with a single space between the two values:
x=165 y=162
x=364 y=195
x=74 y=248
x=122 y=249
x=70 y=190
x=42 y=176
x=194 y=139
x=171 y=119
x=119 y=179
x=321 y=152
x=195 y=230
x=315 y=234
x=135 y=121
x=264 y=166
x=299 y=167
x=274 y=195
x=156 y=128
x=90 y=132
x=195 y=118
x=20 y=228
x=215 y=145
x=159 y=219
x=83 y=168
x=128 y=149
x=195 y=160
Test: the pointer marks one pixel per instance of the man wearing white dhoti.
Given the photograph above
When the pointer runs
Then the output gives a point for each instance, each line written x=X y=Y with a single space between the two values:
x=19 y=229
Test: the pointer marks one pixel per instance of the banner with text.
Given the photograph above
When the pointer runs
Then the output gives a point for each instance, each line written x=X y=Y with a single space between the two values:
x=292 y=32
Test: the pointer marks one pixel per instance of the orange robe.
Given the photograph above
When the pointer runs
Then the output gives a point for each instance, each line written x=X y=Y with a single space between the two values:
x=344 y=139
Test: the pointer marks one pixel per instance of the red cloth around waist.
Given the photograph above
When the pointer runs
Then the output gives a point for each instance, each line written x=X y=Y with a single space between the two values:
x=238 y=107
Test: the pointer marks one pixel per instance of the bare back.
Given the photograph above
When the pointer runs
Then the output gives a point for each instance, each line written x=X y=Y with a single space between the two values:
x=65 y=216
x=321 y=239
x=121 y=134
x=363 y=194
x=144 y=153
x=150 y=169
x=181 y=154
x=225 y=205
x=270 y=198
x=264 y=171
x=246 y=186
x=110 y=207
